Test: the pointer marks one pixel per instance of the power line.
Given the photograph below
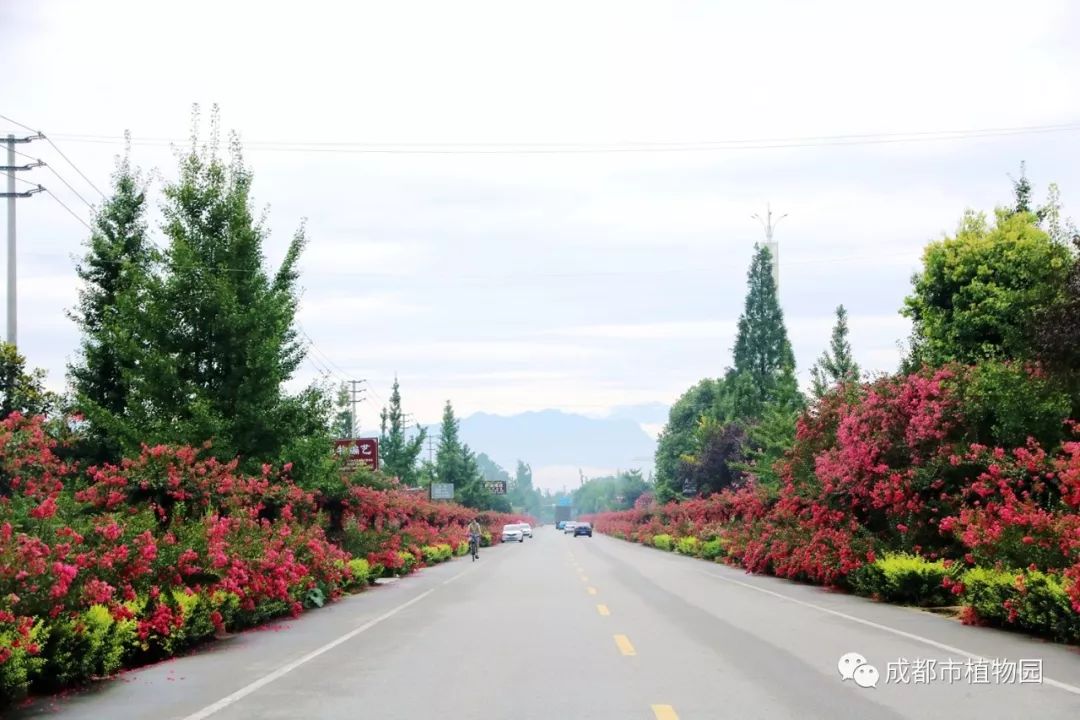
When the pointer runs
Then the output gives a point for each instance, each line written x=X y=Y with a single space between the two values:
x=70 y=211
x=74 y=166
x=526 y=148
x=320 y=370
x=16 y=122
x=315 y=347
x=59 y=152
x=59 y=177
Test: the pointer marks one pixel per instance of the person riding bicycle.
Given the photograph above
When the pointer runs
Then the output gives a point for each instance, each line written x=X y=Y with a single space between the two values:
x=474 y=536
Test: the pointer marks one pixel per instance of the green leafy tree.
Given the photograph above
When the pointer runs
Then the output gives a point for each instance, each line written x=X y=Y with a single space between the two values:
x=715 y=462
x=1058 y=326
x=1057 y=335
x=457 y=464
x=1022 y=190
x=449 y=456
x=22 y=391
x=836 y=365
x=764 y=370
x=767 y=441
x=218 y=328
x=981 y=292
x=612 y=492
x=491 y=470
x=471 y=491
x=341 y=426
x=522 y=493
x=678 y=436
x=115 y=275
x=399 y=452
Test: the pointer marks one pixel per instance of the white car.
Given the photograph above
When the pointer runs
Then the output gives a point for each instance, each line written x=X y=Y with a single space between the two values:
x=512 y=532
x=568 y=528
x=525 y=528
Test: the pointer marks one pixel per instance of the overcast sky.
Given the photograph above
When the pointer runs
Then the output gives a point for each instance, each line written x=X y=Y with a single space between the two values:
x=509 y=281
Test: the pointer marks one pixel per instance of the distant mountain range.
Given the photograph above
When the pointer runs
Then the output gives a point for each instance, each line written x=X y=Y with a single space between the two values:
x=556 y=438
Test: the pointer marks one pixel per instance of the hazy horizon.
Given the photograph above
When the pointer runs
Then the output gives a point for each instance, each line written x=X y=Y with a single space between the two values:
x=452 y=245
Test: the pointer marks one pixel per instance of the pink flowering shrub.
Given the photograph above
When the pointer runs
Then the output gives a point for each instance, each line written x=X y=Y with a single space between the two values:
x=113 y=565
x=895 y=466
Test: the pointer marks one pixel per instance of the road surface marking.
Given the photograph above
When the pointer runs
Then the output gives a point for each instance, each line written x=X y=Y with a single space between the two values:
x=624 y=645
x=878 y=626
x=285 y=669
x=603 y=610
x=591 y=591
x=664 y=712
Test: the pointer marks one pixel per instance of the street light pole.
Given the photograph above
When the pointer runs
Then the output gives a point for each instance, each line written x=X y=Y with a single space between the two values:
x=770 y=243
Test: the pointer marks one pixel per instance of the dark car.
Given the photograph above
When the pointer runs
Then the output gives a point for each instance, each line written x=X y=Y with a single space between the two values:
x=583 y=529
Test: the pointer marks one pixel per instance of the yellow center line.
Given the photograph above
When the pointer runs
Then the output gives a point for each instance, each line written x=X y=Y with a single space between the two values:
x=624 y=645
x=664 y=712
x=591 y=591
x=603 y=610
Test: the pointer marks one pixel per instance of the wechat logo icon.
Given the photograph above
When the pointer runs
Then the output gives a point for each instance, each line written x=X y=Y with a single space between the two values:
x=853 y=666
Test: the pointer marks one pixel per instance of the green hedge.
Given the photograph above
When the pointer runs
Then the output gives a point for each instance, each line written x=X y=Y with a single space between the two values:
x=714 y=549
x=904 y=578
x=72 y=652
x=688 y=546
x=663 y=542
x=408 y=562
x=434 y=554
x=359 y=574
x=1032 y=601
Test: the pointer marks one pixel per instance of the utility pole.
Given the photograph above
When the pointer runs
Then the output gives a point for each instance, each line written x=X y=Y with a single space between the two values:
x=11 y=195
x=354 y=400
x=770 y=243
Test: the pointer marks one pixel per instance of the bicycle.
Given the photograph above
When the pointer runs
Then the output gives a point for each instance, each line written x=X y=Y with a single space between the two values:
x=474 y=547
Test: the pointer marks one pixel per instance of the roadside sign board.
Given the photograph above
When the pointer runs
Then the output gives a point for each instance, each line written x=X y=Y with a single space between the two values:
x=442 y=491
x=358 y=451
x=495 y=487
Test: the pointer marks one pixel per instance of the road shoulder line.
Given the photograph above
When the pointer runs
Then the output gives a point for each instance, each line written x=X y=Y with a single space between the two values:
x=265 y=680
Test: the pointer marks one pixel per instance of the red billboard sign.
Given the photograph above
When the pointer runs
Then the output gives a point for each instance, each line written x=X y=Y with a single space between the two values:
x=359 y=450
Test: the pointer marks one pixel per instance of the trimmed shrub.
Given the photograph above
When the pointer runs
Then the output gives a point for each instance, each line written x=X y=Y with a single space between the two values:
x=663 y=542
x=688 y=546
x=434 y=554
x=408 y=562
x=359 y=573
x=1033 y=601
x=20 y=664
x=904 y=578
x=75 y=651
x=713 y=549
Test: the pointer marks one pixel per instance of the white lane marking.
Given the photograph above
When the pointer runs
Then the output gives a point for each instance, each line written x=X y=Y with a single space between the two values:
x=285 y=669
x=870 y=623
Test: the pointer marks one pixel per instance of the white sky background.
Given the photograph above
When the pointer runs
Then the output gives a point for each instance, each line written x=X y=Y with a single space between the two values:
x=508 y=282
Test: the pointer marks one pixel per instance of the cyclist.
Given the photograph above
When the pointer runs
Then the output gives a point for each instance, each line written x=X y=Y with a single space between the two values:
x=474 y=538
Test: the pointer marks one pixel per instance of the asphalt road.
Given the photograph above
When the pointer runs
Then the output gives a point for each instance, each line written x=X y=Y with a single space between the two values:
x=596 y=629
